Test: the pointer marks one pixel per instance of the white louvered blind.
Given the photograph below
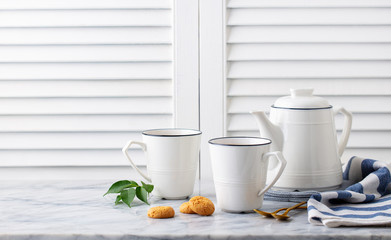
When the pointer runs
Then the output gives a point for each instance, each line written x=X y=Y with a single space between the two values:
x=80 y=78
x=340 y=48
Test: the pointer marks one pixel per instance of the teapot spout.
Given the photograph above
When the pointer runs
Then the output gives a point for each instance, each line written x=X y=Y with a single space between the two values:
x=269 y=130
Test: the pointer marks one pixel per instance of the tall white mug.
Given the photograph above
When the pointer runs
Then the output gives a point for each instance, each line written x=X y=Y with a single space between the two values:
x=172 y=160
x=240 y=167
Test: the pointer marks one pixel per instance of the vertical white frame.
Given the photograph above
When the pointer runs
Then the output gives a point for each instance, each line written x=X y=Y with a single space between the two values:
x=186 y=64
x=212 y=76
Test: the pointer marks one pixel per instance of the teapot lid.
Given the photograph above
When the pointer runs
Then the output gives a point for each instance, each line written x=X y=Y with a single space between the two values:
x=301 y=99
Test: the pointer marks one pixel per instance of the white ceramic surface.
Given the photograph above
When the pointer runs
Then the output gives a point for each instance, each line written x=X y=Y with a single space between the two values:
x=172 y=160
x=302 y=127
x=240 y=167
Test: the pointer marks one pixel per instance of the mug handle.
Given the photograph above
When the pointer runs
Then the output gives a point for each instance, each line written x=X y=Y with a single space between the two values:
x=125 y=151
x=346 y=129
x=280 y=166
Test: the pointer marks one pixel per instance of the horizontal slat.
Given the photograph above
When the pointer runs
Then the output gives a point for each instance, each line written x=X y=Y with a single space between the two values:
x=369 y=139
x=361 y=122
x=115 y=35
x=327 y=34
x=27 y=158
x=306 y=3
x=84 y=4
x=109 y=174
x=357 y=139
x=270 y=87
x=104 y=88
x=113 y=70
x=67 y=140
x=306 y=16
x=355 y=104
x=363 y=104
x=366 y=122
x=117 y=105
x=84 y=123
x=83 y=18
x=86 y=53
x=336 y=51
x=310 y=69
x=373 y=153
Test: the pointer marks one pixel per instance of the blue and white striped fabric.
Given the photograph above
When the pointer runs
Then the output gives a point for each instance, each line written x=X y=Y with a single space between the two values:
x=364 y=203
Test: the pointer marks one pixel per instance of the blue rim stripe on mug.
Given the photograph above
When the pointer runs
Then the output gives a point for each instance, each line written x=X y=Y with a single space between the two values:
x=213 y=141
x=192 y=132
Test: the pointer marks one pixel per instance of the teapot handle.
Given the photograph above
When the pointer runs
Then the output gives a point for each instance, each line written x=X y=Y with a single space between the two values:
x=346 y=128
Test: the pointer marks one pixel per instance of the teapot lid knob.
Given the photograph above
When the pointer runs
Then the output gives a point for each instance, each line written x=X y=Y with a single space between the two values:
x=303 y=92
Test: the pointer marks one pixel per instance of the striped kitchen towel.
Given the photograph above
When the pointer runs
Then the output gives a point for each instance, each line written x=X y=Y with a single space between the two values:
x=364 y=203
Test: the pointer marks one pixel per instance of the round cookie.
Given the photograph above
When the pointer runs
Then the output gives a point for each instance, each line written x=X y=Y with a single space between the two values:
x=161 y=212
x=202 y=205
x=185 y=208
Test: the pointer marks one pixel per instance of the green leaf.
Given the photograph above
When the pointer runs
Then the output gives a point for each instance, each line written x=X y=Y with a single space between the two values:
x=120 y=185
x=118 y=200
x=127 y=195
x=142 y=194
x=128 y=190
x=133 y=184
x=147 y=187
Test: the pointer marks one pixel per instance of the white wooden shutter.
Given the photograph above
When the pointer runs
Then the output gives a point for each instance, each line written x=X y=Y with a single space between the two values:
x=78 y=79
x=340 y=48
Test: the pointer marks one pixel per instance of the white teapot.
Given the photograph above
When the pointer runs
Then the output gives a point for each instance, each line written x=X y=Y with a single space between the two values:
x=302 y=127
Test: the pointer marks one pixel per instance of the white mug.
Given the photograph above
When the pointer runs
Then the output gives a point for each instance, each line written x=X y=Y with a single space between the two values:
x=172 y=160
x=240 y=166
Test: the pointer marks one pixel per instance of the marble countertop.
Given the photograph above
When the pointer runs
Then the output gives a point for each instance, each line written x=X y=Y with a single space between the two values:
x=77 y=210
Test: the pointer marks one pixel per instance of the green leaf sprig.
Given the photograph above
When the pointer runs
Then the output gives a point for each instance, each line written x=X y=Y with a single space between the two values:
x=128 y=189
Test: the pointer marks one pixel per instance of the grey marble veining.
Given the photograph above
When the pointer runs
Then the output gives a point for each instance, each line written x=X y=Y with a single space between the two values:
x=77 y=210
